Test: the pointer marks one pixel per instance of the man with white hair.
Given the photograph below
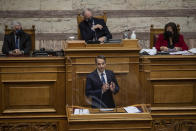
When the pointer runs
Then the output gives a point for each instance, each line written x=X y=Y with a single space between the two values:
x=17 y=42
x=93 y=28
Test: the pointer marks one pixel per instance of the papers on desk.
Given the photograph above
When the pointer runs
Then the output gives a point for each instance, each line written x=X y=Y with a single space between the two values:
x=193 y=50
x=189 y=52
x=180 y=52
x=132 y=109
x=81 y=112
x=183 y=52
x=149 y=51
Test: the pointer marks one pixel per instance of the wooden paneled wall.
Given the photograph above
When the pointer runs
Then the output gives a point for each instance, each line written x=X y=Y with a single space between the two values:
x=56 y=19
x=169 y=80
x=32 y=93
x=32 y=85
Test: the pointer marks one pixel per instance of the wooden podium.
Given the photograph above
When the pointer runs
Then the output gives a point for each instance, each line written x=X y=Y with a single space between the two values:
x=118 y=119
x=122 y=58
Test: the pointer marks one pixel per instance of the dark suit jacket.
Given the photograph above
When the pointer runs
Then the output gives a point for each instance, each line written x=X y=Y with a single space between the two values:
x=9 y=43
x=88 y=34
x=94 y=90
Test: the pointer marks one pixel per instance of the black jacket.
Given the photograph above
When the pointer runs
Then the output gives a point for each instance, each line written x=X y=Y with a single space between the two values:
x=9 y=43
x=88 y=34
x=94 y=90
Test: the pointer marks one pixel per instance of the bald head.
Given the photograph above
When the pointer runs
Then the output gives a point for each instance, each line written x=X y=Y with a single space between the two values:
x=87 y=13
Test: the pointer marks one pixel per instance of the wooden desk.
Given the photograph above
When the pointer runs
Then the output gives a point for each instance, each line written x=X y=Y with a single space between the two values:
x=116 y=120
x=169 y=80
x=170 y=86
x=32 y=93
x=122 y=58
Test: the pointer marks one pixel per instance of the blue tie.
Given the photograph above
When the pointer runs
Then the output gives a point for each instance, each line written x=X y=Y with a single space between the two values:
x=16 y=43
x=102 y=78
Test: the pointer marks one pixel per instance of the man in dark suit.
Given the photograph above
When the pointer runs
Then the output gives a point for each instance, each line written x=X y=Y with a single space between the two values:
x=17 y=42
x=101 y=84
x=93 y=29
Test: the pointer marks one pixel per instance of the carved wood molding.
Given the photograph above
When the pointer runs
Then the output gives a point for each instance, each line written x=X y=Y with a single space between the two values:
x=42 y=126
x=166 y=125
x=174 y=125
x=189 y=125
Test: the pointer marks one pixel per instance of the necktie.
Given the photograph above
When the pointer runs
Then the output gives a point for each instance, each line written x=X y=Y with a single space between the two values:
x=95 y=33
x=102 y=78
x=16 y=43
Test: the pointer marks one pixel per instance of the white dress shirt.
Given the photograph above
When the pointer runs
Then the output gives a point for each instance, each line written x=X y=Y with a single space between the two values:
x=104 y=75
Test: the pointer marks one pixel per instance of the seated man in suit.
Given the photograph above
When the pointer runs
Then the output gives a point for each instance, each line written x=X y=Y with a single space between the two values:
x=17 y=42
x=101 y=84
x=93 y=29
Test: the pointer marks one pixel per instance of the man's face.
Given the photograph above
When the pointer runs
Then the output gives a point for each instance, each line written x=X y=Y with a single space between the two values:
x=17 y=27
x=87 y=14
x=101 y=65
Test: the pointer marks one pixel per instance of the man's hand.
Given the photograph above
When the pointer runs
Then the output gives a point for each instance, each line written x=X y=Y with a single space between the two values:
x=105 y=87
x=163 y=48
x=112 y=87
x=178 y=48
x=102 y=39
x=97 y=26
x=16 y=52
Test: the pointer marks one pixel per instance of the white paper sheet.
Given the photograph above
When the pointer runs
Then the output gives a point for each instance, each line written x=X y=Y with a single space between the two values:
x=179 y=53
x=85 y=112
x=193 y=50
x=81 y=112
x=132 y=109
x=76 y=111
x=149 y=51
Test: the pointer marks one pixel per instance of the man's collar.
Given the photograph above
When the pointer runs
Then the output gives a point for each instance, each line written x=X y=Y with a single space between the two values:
x=99 y=73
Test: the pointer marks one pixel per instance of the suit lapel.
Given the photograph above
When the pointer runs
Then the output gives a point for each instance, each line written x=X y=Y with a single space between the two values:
x=13 y=40
x=108 y=76
x=97 y=77
x=21 y=41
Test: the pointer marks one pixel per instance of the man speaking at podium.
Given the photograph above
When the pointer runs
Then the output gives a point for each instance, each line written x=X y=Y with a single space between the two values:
x=101 y=84
x=93 y=29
